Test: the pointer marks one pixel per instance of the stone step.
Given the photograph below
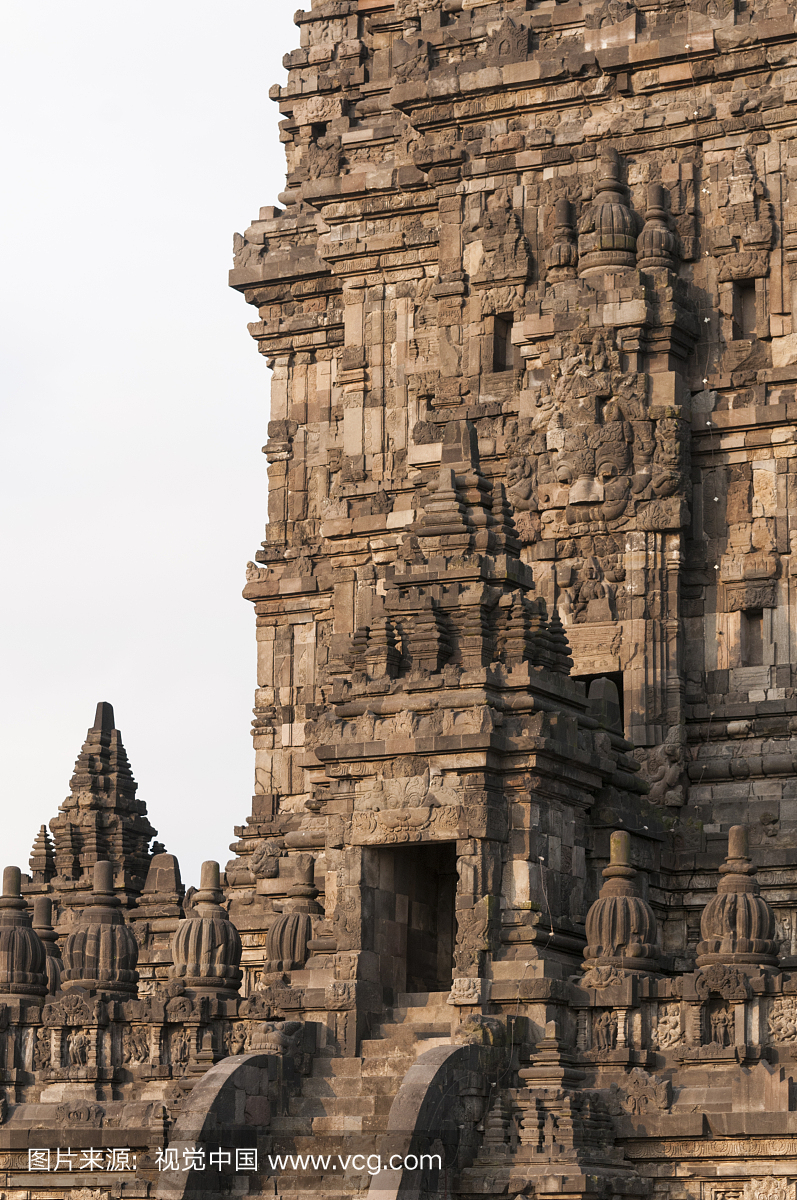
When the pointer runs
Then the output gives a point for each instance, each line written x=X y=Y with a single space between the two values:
x=422 y=1000
x=336 y=1066
x=345 y=1106
x=394 y=1066
x=418 y=1014
x=341 y=1125
x=432 y=1043
x=421 y=1029
x=330 y=1192
x=332 y=1124
x=291 y=1125
x=386 y=1048
x=333 y=1085
x=315 y=1144
x=322 y=1187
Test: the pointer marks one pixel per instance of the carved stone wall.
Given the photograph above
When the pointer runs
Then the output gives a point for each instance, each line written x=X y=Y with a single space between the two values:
x=525 y=722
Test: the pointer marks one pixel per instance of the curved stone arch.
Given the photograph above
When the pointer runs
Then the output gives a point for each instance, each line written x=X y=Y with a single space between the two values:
x=231 y=1096
x=428 y=1110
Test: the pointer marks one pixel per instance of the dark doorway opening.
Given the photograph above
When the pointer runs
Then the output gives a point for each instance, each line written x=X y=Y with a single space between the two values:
x=609 y=699
x=414 y=908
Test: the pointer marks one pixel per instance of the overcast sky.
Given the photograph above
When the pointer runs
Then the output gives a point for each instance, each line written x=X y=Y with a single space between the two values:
x=135 y=140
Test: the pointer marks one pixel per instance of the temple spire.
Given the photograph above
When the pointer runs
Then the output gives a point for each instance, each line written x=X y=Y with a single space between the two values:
x=101 y=818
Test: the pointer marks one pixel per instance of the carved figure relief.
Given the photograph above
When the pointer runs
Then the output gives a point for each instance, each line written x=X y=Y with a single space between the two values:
x=719 y=1029
x=605 y=1029
x=42 y=1050
x=77 y=1047
x=465 y=991
x=668 y=1032
x=135 y=1046
x=178 y=1047
x=602 y=977
x=264 y=863
x=782 y=1019
x=599 y=462
x=665 y=767
x=505 y=252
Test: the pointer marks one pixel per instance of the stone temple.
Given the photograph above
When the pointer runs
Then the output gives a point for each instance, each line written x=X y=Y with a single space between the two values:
x=515 y=907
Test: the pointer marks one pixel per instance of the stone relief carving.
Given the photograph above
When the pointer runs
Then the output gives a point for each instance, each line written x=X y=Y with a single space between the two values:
x=601 y=977
x=728 y=982
x=668 y=1032
x=605 y=1029
x=665 y=768
x=403 y=809
x=642 y=1093
x=178 y=1043
x=135 y=1046
x=720 y=1025
x=746 y=218
x=264 y=863
x=502 y=251
x=77 y=1047
x=782 y=1019
x=71 y=1010
x=91 y=1115
x=466 y=991
x=769 y=1188
x=42 y=1050
x=594 y=457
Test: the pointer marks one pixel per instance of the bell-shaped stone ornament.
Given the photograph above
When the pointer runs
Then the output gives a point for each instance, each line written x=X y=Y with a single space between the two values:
x=607 y=231
x=100 y=954
x=656 y=245
x=737 y=926
x=621 y=927
x=206 y=947
x=43 y=924
x=22 y=955
x=561 y=257
x=288 y=937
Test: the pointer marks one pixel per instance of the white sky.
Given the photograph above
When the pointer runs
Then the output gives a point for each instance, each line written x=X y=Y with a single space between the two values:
x=136 y=138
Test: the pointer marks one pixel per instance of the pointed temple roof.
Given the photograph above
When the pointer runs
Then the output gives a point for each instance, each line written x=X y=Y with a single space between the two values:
x=101 y=819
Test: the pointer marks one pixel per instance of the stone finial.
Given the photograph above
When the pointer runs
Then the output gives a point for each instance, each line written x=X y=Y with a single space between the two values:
x=288 y=937
x=101 y=953
x=657 y=244
x=563 y=662
x=42 y=857
x=621 y=927
x=561 y=257
x=737 y=926
x=43 y=924
x=206 y=948
x=22 y=954
x=607 y=232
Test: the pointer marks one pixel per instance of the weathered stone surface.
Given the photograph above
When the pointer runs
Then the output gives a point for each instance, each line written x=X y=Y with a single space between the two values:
x=523 y=609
